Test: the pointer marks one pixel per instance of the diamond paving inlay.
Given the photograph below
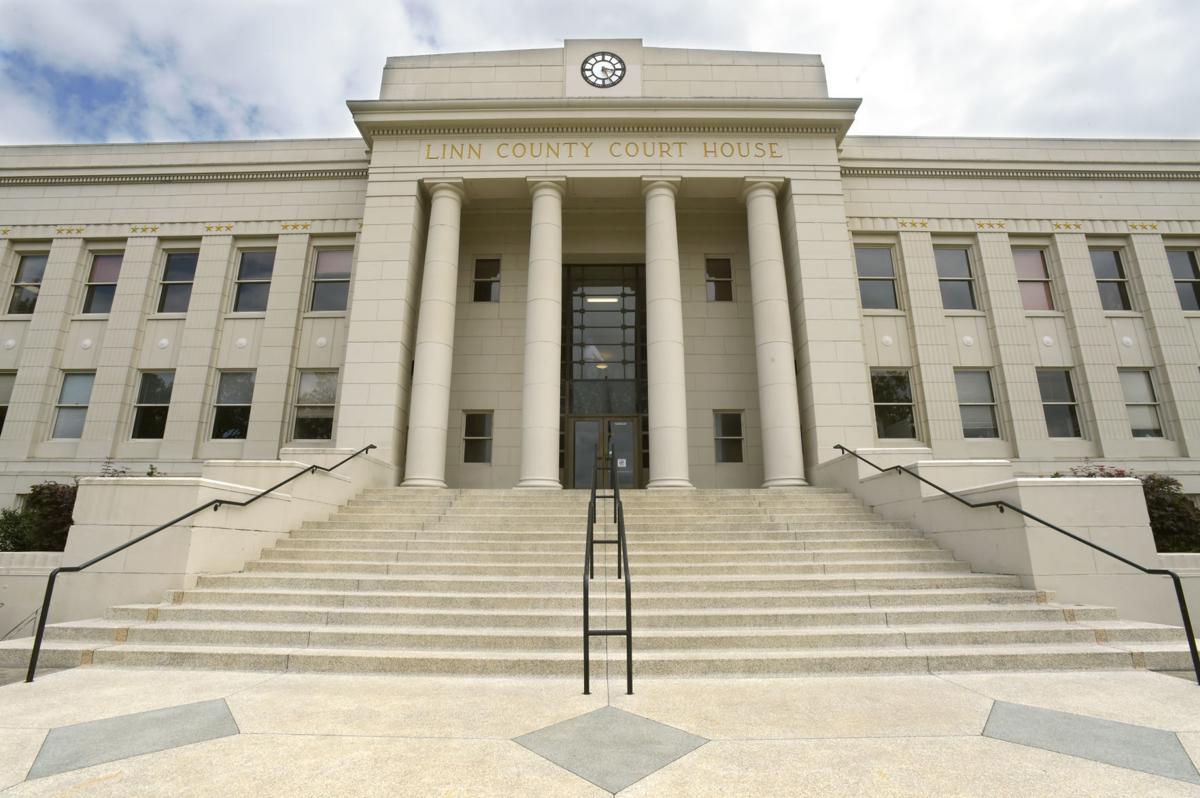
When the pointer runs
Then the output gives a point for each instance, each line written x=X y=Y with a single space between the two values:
x=99 y=741
x=1122 y=744
x=611 y=748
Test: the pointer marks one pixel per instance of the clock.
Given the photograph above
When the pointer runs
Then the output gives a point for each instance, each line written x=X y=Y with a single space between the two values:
x=603 y=70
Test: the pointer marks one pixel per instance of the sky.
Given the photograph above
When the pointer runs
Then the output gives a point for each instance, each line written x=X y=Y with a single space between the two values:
x=169 y=70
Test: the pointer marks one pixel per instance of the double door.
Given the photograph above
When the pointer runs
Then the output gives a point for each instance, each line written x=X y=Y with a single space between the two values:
x=592 y=438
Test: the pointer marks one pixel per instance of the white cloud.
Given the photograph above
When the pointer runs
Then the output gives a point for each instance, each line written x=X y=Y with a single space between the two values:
x=272 y=68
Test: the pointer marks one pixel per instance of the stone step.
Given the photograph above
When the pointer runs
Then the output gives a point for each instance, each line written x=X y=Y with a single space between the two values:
x=635 y=537
x=899 y=564
x=574 y=548
x=775 y=556
x=680 y=526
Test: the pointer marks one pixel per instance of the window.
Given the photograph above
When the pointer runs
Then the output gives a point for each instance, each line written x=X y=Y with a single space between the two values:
x=1110 y=277
x=1033 y=279
x=954 y=278
x=727 y=435
x=27 y=284
x=718 y=280
x=876 y=277
x=153 y=400
x=331 y=279
x=73 y=404
x=235 y=391
x=487 y=280
x=1141 y=404
x=316 y=395
x=254 y=281
x=1058 y=403
x=1186 y=274
x=7 y=380
x=178 y=275
x=477 y=436
x=102 y=283
x=893 y=398
x=976 y=404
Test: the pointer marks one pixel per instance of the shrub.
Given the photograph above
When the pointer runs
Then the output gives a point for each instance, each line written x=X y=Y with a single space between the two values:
x=42 y=523
x=1174 y=519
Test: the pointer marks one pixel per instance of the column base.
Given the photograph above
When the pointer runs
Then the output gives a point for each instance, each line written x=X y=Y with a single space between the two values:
x=423 y=482
x=656 y=484
x=545 y=484
x=785 y=482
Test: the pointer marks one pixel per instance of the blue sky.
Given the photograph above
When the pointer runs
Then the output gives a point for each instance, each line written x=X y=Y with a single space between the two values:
x=157 y=70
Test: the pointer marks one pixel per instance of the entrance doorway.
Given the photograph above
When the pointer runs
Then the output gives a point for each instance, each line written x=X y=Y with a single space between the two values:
x=604 y=374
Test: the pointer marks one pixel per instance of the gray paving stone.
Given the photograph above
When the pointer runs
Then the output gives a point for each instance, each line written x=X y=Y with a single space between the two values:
x=99 y=741
x=611 y=748
x=1122 y=744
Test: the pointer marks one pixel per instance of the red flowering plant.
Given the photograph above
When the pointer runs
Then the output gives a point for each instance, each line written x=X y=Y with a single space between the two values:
x=1174 y=517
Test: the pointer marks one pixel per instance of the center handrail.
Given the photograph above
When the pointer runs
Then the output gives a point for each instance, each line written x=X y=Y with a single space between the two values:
x=1002 y=505
x=215 y=504
x=589 y=573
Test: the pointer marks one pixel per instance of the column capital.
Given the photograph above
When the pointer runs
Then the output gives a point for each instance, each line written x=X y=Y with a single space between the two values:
x=441 y=185
x=557 y=184
x=754 y=185
x=654 y=183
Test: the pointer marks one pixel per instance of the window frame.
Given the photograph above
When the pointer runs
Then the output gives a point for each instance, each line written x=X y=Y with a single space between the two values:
x=139 y=405
x=163 y=282
x=969 y=279
x=17 y=285
x=1154 y=405
x=1047 y=281
x=217 y=404
x=718 y=438
x=297 y=404
x=1194 y=281
x=1074 y=405
x=489 y=438
x=238 y=282
x=1123 y=282
x=6 y=402
x=711 y=282
x=911 y=403
x=993 y=405
x=89 y=284
x=315 y=280
x=60 y=405
x=493 y=283
x=894 y=279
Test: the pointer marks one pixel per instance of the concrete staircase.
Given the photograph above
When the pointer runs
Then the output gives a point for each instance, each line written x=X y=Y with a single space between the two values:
x=725 y=583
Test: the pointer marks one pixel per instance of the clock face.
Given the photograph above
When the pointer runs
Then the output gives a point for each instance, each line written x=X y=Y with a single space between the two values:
x=603 y=70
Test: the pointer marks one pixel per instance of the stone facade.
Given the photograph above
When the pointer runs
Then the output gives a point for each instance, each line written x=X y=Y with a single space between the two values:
x=695 y=156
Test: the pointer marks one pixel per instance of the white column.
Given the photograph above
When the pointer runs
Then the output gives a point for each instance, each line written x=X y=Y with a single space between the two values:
x=666 y=391
x=543 y=338
x=783 y=460
x=425 y=462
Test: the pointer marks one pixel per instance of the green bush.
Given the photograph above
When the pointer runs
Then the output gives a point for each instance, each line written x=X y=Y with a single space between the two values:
x=42 y=522
x=1174 y=519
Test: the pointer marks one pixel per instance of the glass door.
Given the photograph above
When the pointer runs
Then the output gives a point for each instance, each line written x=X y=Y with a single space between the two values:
x=591 y=438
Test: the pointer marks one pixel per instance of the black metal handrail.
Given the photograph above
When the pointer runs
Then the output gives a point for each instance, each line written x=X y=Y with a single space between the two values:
x=215 y=504
x=589 y=573
x=1002 y=505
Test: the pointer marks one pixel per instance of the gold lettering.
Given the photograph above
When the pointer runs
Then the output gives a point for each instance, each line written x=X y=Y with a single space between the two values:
x=502 y=149
x=552 y=149
x=631 y=149
x=519 y=150
x=475 y=151
x=570 y=145
x=727 y=149
x=775 y=150
x=614 y=149
x=664 y=149
x=760 y=149
x=587 y=149
x=743 y=149
x=710 y=149
x=429 y=156
x=456 y=151
x=679 y=148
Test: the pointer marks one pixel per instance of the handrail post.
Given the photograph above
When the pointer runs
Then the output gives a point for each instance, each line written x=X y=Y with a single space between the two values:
x=41 y=626
x=1187 y=625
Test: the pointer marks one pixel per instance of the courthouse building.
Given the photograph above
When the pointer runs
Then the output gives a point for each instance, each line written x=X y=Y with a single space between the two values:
x=532 y=254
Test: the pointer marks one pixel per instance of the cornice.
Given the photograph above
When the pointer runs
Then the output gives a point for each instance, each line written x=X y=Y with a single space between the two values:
x=1023 y=226
x=181 y=177
x=473 y=130
x=1002 y=173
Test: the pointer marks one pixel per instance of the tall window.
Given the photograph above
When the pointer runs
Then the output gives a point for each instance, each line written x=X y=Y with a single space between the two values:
x=728 y=436
x=1187 y=277
x=1110 y=277
x=178 y=275
x=72 y=406
x=235 y=392
x=976 y=404
x=1141 y=403
x=487 y=280
x=1033 y=279
x=954 y=278
x=331 y=279
x=1058 y=403
x=477 y=436
x=316 y=395
x=153 y=402
x=7 y=380
x=102 y=283
x=254 y=281
x=718 y=279
x=894 y=412
x=27 y=284
x=876 y=277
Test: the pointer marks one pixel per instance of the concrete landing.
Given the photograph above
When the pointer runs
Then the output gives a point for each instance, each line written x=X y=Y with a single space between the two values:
x=979 y=734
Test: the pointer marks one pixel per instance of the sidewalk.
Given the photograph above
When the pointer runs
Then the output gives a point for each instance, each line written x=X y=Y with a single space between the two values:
x=206 y=733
